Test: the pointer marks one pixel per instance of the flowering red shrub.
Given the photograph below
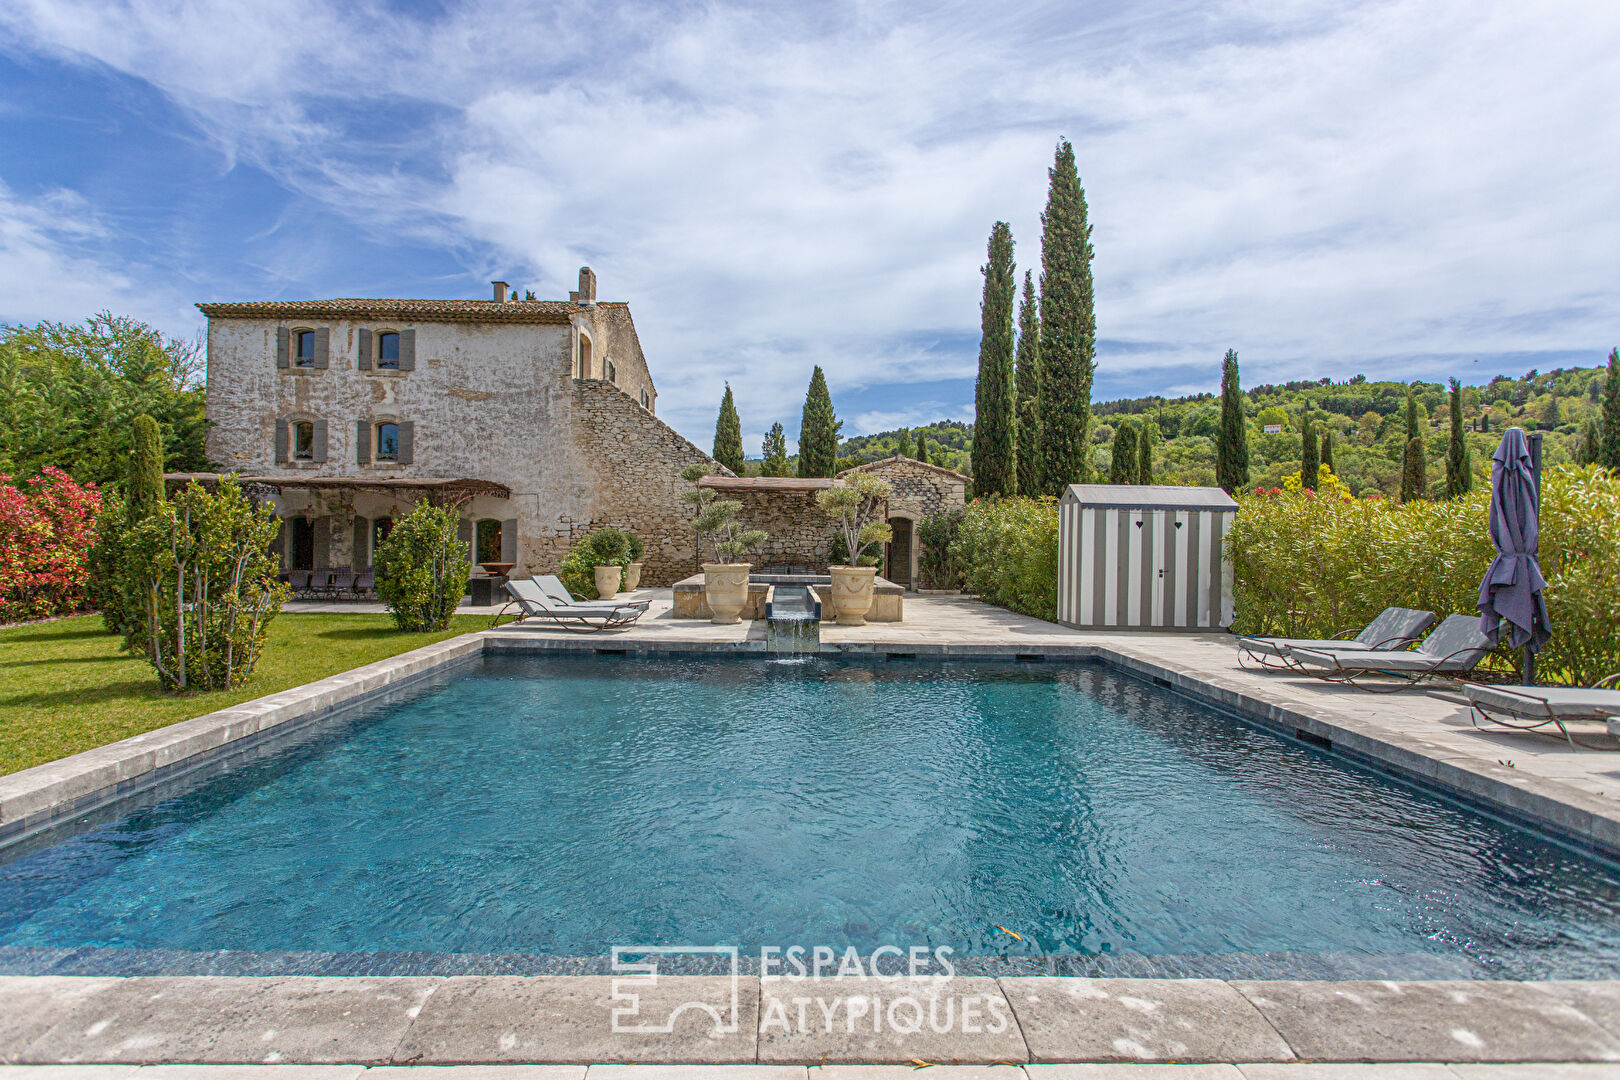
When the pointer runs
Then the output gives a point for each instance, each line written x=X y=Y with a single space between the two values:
x=45 y=537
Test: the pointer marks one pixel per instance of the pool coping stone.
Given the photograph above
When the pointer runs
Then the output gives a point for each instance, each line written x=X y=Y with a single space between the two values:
x=566 y=1020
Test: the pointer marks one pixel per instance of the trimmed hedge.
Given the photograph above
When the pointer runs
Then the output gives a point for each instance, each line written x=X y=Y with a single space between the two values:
x=1007 y=549
x=1310 y=565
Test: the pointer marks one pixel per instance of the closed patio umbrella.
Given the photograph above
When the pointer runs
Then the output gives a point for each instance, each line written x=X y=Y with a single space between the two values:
x=1510 y=597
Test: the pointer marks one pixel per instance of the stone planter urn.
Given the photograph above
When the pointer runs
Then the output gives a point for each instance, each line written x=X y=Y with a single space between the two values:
x=632 y=577
x=852 y=593
x=725 y=587
x=607 y=581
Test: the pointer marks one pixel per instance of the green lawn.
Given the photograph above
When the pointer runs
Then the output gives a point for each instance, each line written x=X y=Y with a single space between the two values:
x=65 y=686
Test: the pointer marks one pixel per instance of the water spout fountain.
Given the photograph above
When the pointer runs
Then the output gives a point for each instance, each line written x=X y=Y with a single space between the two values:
x=793 y=621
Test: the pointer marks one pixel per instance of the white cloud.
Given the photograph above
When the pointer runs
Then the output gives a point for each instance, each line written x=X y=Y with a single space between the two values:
x=1326 y=189
x=55 y=265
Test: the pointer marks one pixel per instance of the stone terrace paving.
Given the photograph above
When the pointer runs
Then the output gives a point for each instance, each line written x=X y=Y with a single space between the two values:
x=1260 y=1030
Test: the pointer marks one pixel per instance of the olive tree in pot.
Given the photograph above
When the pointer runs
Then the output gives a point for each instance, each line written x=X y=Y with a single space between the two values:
x=632 y=569
x=857 y=508
x=725 y=580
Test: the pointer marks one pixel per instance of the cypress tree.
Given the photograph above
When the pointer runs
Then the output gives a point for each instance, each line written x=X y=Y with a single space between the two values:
x=1144 y=456
x=922 y=449
x=1310 y=461
x=1459 y=467
x=1609 y=448
x=1232 y=446
x=995 y=461
x=728 y=449
x=902 y=443
x=1591 y=444
x=1122 y=466
x=1327 y=451
x=1028 y=379
x=144 y=487
x=776 y=457
x=818 y=430
x=1414 y=469
x=1068 y=329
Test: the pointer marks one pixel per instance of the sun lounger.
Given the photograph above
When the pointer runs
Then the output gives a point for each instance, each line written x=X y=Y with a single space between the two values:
x=552 y=586
x=582 y=618
x=1454 y=648
x=1538 y=708
x=1395 y=628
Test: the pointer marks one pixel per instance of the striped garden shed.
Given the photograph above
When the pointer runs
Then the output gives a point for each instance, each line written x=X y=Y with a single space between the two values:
x=1146 y=557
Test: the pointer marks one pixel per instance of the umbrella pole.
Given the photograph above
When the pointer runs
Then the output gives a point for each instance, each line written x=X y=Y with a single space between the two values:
x=1527 y=664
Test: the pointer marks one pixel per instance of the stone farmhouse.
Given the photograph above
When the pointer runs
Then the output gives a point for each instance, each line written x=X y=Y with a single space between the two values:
x=537 y=419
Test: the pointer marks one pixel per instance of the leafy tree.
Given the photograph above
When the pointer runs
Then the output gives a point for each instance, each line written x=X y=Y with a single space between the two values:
x=995 y=461
x=1027 y=380
x=422 y=569
x=1310 y=460
x=1609 y=458
x=818 y=430
x=69 y=392
x=855 y=507
x=728 y=448
x=776 y=455
x=902 y=444
x=1144 y=455
x=114 y=585
x=208 y=580
x=1122 y=460
x=922 y=449
x=1232 y=447
x=1459 y=467
x=1068 y=329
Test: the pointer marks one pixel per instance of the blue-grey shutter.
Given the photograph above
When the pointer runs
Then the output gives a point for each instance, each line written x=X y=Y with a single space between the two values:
x=407 y=350
x=407 y=431
x=281 y=441
x=509 y=540
x=362 y=538
x=364 y=363
x=323 y=543
x=320 y=441
x=464 y=537
x=282 y=341
x=362 y=442
x=323 y=347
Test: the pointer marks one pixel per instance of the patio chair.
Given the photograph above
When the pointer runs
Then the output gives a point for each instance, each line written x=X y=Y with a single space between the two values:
x=587 y=618
x=1395 y=628
x=342 y=582
x=299 y=580
x=552 y=586
x=1538 y=708
x=365 y=584
x=1453 y=649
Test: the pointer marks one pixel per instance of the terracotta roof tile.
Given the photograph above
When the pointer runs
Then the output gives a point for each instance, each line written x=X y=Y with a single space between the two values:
x=510 y=311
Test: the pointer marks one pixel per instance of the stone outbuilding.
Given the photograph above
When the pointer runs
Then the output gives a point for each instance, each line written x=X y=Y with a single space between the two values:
x=920 y=491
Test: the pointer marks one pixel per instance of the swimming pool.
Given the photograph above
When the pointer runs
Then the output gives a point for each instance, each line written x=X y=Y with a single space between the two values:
x=526 y=814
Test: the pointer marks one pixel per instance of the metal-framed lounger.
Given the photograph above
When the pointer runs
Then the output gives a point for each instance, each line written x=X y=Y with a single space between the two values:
x=552 y=586
x=1453 y=649
x=531 y=602
x=1394 y=628
x=1537 y=708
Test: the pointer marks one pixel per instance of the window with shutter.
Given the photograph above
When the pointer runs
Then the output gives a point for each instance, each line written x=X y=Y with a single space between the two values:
x=320 y=442
x=407 y=443
x=388 y=351
x=509 y=540
x=323 y=347
x=363 y=361
x=304 y=441
x=281 y=442
x=407 y=350
x=304 y=355
x=362 y=442
x=282 y=346
x=387 y=442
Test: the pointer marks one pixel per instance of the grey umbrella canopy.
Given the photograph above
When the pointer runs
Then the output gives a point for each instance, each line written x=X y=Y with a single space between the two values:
x=1510 y=597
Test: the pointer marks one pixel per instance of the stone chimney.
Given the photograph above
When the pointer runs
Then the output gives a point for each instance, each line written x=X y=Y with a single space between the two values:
x=587 y=286
x=500 y=291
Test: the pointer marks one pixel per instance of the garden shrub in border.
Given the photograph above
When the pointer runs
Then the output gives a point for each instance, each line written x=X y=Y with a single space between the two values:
x=1007 y=550
x=422 y=569
x=46 y=532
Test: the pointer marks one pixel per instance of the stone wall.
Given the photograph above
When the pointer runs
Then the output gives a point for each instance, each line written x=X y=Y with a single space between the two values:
x=920 y=490
x=801 y=533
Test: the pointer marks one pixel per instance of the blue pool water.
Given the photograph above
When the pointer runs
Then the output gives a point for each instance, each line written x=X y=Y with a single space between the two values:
x=531 y=812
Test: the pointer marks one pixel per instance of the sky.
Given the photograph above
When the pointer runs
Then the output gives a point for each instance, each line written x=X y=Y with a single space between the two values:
x=1402 y=189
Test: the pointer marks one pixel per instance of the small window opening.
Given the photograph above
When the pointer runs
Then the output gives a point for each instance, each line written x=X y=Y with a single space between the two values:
x=304 y=441
x=388 y=351
x=646 y=402
x=613 y=373
x=380 y=528
x=387 y=442
x=306 y=348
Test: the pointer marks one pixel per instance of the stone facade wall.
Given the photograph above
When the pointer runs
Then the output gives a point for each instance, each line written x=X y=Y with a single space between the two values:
x=919 y=490
x=491 y=401
x=801 y=533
